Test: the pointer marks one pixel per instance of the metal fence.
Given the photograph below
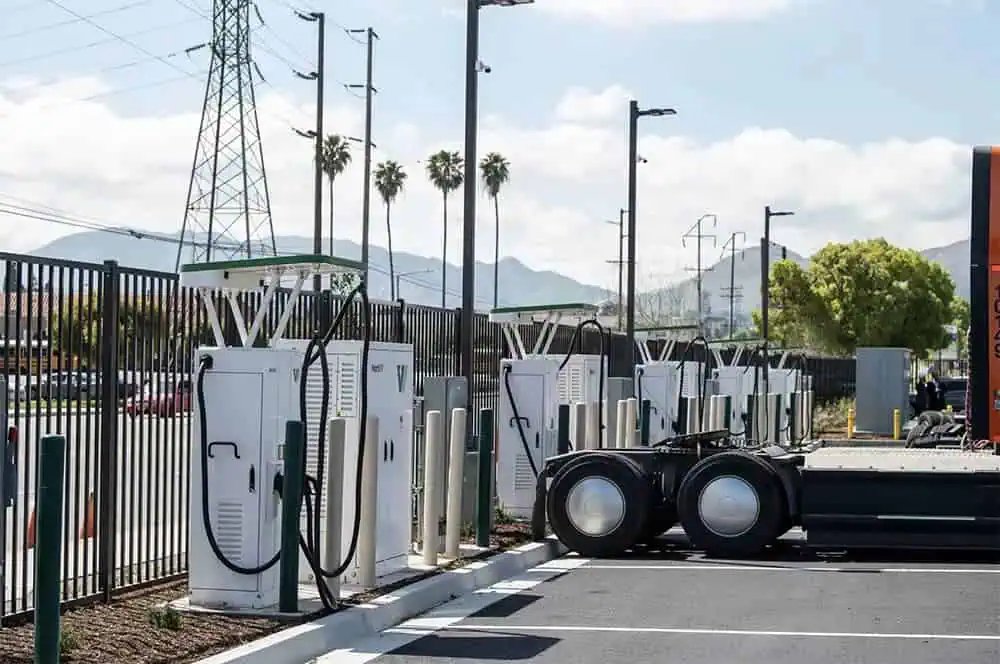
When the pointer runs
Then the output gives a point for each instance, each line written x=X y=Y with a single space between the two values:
x=103 y=354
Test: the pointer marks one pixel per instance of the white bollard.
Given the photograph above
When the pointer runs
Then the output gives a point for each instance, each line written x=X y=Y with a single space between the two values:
x=593 y=434
x=433 y=444
x=456 y=463
x=621 y=421
x=580 y=426
x=631 y=432
x=336 y=436
x=367 y=534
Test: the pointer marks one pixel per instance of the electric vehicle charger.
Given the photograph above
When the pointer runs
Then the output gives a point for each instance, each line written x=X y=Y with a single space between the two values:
x=312 y=486
x=573 y=344
x=702 y=388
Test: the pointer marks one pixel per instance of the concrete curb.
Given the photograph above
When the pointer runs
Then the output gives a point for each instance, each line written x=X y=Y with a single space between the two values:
x=302 y=643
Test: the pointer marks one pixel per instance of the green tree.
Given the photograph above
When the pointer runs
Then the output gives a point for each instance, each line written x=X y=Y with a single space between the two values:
x=863 y=293
x=960 y=319
x=444 y=170
x=495 y=172
x=335 y=159
x=389 y=182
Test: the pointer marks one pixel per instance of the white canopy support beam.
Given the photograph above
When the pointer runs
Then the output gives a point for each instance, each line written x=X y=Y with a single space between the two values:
x=549 y=315
x=253 y=274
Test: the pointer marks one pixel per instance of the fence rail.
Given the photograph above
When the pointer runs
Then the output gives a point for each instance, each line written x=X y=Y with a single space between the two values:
x=103 y=355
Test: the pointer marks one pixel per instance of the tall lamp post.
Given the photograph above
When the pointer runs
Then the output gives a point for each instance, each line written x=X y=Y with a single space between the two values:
x=765 y=279
x=469 y=199
x=634 y=113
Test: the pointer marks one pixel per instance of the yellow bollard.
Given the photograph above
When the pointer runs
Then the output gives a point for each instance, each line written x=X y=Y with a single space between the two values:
x=897 y=424
x=947 y=408
x=850 y=423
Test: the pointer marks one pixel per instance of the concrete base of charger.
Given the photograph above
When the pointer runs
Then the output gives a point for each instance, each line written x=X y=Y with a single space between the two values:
x=309 y=601
x=303 y=643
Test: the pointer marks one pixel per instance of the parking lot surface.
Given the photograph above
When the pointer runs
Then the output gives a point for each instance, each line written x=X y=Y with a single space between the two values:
x=673 y=605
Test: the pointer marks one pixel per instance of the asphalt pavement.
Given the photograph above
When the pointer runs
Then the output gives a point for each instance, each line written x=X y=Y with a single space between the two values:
x=674 y=605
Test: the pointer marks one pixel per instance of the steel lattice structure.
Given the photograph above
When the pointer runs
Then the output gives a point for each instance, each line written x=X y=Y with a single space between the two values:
x=228 y=211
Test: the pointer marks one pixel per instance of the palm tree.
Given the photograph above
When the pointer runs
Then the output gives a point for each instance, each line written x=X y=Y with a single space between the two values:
x=495 y=172
x=335 y=159
x=389 y=179
x=444 y=170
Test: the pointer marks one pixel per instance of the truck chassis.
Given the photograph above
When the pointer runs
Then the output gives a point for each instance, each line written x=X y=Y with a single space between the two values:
x=734 y=502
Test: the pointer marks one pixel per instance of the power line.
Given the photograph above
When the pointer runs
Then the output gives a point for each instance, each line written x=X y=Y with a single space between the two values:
x=37 y=212
x=72 y=21
x=124 y=40
x=101 y=42
x=125 y=65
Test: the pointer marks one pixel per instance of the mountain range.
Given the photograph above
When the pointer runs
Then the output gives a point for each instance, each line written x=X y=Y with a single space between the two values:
x=420 y=276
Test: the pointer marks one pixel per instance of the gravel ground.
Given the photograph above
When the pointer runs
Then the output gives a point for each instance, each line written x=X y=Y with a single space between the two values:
x=132 y=630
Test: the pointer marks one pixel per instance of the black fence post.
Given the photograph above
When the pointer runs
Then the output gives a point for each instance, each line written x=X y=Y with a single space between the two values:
x=106 y=503
x=456 y=348
x=399 y=322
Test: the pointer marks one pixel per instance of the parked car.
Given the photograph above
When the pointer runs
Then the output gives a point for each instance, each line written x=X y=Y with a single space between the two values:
x=175 y=400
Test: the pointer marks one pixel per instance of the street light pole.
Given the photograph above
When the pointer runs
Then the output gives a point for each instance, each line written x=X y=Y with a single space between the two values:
x=765 y=281
x=634 y=113
x=466 y=327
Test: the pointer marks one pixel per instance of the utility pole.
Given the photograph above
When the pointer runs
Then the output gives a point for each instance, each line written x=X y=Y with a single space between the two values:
x=695 y=232
x=731 y=244
x=366 y=196
x=765 y=281
x=621 y=264
x=319 y=75
x=634 y=113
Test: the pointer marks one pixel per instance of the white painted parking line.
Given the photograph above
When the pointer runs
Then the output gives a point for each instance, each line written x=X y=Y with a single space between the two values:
x=776 y=568
x=509 y=629
x=448 y=614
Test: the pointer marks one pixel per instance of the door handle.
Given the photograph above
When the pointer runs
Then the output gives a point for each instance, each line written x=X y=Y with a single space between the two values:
x=392 y=450
x=537 y=439
x=385 y=451
x=253 y=480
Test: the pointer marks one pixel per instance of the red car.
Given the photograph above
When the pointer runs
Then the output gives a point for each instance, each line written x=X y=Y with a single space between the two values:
x=174 y=399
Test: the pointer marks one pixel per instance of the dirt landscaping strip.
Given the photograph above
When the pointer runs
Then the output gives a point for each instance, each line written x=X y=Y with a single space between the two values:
x=135 y=630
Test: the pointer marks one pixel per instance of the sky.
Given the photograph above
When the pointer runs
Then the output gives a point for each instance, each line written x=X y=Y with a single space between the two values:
x=858 y=115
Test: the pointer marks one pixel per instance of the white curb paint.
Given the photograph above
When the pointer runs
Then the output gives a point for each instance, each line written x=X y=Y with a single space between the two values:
x=303 y=643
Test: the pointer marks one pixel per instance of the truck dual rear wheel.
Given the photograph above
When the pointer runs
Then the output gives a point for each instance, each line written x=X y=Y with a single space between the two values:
x=598 y=503
x=732 y=505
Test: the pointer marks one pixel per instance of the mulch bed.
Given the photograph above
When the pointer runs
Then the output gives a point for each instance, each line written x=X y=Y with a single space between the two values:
x=132 y=630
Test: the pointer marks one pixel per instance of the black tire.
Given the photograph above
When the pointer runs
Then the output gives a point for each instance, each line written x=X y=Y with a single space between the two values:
x=772 y=505
x=627 y=477
x=926 y=421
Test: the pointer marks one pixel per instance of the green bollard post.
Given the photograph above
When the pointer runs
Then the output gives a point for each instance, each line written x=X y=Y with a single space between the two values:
x=484 y=494
x=291 y=506
x=562 y=432
x=647 y=411
x=48 y=550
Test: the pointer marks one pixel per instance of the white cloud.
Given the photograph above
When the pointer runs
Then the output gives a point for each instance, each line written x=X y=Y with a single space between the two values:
x=567 y=178
x=583 y=105
x=647 y=12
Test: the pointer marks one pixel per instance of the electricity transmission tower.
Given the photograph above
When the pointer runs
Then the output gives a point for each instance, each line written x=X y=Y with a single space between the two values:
x=228 y=211
x=695 y=232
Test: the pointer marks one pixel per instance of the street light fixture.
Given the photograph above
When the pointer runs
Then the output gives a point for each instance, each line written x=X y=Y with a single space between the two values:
x=466 y=328
x=765 y=279
x=634 y=113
